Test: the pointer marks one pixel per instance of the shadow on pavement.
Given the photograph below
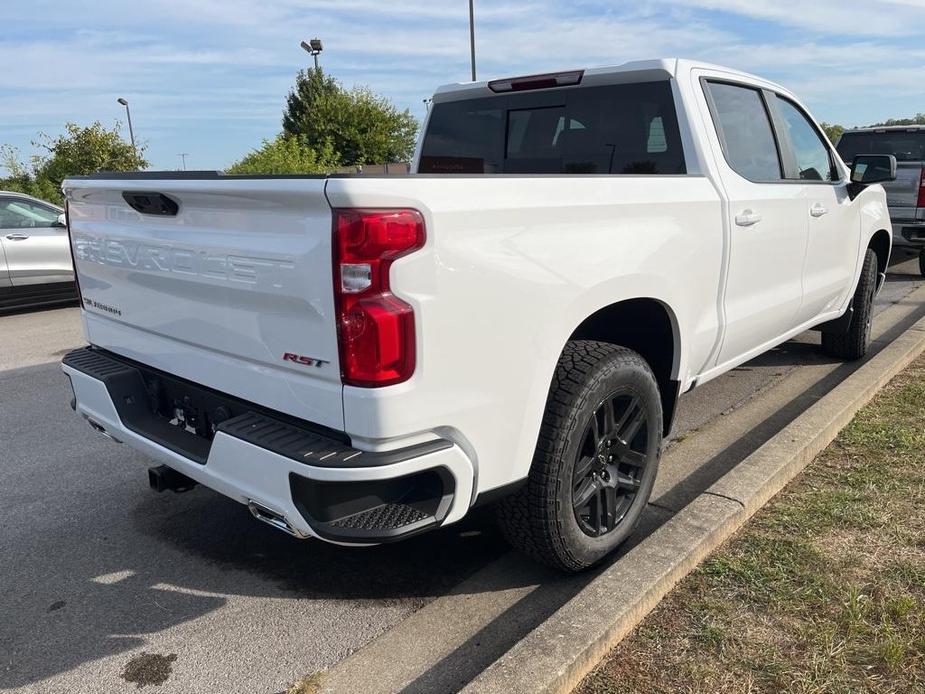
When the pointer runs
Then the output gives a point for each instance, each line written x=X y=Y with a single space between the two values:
x=91 y=561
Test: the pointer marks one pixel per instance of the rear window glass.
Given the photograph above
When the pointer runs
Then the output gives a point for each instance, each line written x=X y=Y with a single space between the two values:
x=904 y=145
x=745 y=131
x=617 y=129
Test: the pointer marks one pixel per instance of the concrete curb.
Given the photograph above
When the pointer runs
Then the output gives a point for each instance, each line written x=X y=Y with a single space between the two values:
x=556 y=655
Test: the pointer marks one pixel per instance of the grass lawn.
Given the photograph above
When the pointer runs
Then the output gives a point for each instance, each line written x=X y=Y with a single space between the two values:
x=822 y=591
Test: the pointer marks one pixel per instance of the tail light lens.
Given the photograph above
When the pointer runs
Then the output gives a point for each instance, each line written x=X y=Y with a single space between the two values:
x=921 y=200
x=375 y=328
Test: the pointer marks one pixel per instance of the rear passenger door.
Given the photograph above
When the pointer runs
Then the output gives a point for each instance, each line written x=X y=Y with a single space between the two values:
x=834 y=231
x=766 y=218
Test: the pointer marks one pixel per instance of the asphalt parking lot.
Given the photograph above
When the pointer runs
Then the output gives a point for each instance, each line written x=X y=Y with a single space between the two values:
x=99 y=572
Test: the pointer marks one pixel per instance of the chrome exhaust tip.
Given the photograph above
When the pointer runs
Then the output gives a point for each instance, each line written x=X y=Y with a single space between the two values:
x=274 y=518
x=99 y=428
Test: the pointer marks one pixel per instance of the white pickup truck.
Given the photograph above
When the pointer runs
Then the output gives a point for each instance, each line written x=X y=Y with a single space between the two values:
x=361 y=359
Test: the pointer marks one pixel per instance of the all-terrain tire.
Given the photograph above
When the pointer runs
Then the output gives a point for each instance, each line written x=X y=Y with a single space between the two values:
x=540 y=518
x=853 y=344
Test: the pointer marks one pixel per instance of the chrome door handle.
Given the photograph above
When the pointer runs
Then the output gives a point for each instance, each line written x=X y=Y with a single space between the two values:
x=747 y=218
x=17 y=237
x=817 y=210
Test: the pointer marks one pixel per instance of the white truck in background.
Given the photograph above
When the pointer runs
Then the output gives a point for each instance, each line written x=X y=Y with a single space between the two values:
x=361 y=359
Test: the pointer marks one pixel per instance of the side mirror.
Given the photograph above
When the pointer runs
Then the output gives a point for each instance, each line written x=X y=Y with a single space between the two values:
x=873 y=168
x=61 y=221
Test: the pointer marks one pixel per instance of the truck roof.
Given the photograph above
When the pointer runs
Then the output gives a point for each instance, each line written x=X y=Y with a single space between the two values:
x=632 y=71
x=884 y=128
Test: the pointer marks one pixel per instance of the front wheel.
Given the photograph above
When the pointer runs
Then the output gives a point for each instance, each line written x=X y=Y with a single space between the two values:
x=595 y=461
x=853 y=344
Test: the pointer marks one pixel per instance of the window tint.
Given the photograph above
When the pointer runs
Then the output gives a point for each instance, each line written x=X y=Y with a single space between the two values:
x=905 y=145
x=812 y=155
x=19 y=214
x=620 y=129
x=748 y=141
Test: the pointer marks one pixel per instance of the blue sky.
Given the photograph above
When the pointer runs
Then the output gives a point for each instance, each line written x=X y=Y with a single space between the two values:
x=209 y=77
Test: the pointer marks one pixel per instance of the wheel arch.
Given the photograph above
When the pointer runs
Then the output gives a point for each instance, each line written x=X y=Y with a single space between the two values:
x=881 y=243
x=648 y=326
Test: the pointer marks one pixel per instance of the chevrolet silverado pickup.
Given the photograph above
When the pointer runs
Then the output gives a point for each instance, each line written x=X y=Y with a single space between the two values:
x=361 y=359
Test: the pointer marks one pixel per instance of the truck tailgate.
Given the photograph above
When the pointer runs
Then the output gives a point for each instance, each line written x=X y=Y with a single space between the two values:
x=233 y=290
x=902 y=194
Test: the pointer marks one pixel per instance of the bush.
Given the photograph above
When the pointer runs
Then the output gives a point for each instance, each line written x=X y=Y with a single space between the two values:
x=286 y=154
x=79 y=151
x=360 y=126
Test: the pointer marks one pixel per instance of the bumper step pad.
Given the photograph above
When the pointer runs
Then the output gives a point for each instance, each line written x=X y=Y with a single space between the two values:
x=292 y=442
x=385 y=517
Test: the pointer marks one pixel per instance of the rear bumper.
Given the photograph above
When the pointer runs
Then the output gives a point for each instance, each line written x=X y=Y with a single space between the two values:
x=300 y=480
x=909 y=233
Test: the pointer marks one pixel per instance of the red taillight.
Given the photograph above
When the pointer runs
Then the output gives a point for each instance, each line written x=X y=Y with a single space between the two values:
x=375 y=328
x=921 y=201
x=545 y=81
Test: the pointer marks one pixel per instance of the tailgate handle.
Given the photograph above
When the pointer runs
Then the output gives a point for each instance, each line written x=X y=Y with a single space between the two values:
x=151 y=203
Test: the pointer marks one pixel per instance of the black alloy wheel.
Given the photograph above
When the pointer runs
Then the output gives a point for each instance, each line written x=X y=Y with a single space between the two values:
x=611 y=460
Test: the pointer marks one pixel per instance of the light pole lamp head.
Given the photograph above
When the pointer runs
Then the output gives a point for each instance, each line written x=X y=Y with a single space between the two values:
x=314 y=46
x=122 y=101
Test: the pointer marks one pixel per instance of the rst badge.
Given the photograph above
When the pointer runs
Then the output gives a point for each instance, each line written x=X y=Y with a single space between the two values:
x=303 y=360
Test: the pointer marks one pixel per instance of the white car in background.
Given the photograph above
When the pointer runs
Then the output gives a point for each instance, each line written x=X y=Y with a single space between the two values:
x=35 y=257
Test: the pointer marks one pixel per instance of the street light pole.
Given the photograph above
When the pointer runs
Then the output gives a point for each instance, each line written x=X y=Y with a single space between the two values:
x=472 y=36
x=128 y=114
x=183 y=156
x=313 y=48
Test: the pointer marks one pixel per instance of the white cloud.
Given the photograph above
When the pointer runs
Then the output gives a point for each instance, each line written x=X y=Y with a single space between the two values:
x=210 y=76
x=868 y=18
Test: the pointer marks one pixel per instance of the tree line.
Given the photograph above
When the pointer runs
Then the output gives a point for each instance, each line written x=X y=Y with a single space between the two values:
x=325 y=126
x=834 y=130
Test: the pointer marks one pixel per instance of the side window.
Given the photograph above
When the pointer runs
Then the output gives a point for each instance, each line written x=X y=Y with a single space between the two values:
x=19 y=214
x=745 y=132
x=812 y=156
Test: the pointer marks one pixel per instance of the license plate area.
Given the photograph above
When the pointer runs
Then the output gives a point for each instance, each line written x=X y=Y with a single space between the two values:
x=170 y=411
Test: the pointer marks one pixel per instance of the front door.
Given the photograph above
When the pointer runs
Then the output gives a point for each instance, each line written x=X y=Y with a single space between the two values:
x=833 y=227
x=34 y=243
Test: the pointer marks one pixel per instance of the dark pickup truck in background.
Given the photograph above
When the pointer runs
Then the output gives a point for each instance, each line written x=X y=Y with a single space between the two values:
x=906 y=195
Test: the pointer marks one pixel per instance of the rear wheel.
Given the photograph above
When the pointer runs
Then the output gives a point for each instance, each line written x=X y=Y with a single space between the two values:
x=922 y=262
x=853 y=344
x=595 y=461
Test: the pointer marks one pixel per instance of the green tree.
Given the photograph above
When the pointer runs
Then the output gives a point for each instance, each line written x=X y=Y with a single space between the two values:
x=79 y=151
x=286 y=154
x=917 y=119
x=833 y=131
x=312 y=88
x=20 y=178
x=360 y=126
